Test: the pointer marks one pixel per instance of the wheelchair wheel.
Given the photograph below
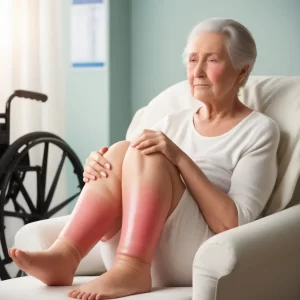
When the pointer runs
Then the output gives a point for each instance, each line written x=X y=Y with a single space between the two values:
x=39 y=176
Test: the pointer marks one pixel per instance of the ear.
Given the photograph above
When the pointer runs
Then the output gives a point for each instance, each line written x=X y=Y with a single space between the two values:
x=243 y=74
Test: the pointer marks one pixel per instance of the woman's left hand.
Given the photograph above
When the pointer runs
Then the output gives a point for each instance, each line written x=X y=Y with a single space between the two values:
x=151 y=141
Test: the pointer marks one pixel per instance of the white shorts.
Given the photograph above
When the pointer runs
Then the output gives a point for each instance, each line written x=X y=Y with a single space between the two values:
x=184 y=231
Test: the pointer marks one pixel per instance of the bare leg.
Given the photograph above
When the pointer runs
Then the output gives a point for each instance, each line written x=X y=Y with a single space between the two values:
x=98 y=207
x=151 y=189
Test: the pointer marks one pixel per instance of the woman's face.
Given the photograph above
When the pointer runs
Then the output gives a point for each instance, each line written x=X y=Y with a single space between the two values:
x=209 y=69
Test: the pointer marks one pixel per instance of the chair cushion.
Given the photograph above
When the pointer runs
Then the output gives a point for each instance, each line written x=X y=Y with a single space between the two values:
x=277 y=97
x=28 y=288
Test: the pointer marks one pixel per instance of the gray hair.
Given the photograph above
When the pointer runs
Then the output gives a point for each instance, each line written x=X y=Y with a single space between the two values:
x=241 y=46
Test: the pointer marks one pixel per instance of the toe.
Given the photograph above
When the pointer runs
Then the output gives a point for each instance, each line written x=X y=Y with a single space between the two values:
x=86 y=296
x=18 y=253
x=99 y=297
x=80 y=295
x=73 y=294
x=92 y=297
x=12 y=253
x=70 y=293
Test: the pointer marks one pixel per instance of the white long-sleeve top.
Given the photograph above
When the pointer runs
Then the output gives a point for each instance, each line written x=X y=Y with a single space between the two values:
x=241 y=162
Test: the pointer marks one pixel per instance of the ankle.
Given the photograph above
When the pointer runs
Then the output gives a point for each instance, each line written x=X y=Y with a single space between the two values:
x=136 y=264
x=65 y=248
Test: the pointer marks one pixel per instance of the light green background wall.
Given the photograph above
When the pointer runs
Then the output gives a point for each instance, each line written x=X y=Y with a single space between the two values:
x=160 y=27
x=97 y=100
x=87 y=105
x=146 y=41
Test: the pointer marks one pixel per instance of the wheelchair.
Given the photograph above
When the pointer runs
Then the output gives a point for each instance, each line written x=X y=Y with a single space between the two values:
x=27 y=187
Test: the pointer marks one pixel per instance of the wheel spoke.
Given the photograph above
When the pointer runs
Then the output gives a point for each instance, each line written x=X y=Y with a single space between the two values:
x=3 y=273
x=54 y=183
x=24 y=193
x=20 y=273
x=43 y=175
x=6 y=260
x=57 y=208
x=17 y=206
x=23 y=216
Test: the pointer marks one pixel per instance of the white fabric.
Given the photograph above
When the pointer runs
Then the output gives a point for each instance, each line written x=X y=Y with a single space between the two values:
x=259 y=260
x=277 y=97
x=29 y=288
x=173 y=260
x=241 y=162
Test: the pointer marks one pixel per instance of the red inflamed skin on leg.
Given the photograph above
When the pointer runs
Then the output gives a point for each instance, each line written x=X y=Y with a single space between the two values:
x=144 y=215
x=94 y=215
x=90 y=220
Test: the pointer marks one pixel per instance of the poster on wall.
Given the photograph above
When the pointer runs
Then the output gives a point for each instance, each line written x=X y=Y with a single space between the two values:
x=89 y=34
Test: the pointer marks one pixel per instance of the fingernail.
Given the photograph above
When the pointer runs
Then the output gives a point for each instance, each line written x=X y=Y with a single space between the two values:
x=103 y=174
x=107 y=166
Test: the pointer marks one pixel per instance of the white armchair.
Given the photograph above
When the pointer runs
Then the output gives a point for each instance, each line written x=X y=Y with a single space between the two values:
x=260 y=260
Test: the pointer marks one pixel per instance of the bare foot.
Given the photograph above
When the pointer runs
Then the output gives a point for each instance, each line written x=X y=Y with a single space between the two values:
x=54 y=266
x=128 y=276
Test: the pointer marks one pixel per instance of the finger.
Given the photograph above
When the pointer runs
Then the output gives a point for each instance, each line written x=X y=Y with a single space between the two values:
x=93 y=171
x=100 y=173
x=93 y=166
x=90 y=176
x=146 y=144
x=150 y=150
x=102 y=161
x=141 y=138
x=103 y=150
x=85 y=179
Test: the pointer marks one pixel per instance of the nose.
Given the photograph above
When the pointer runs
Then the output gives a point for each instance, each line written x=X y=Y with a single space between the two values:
x=199 y=70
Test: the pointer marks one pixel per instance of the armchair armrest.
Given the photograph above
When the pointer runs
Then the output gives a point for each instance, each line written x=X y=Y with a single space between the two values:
x=259 y=260
x=40 y=236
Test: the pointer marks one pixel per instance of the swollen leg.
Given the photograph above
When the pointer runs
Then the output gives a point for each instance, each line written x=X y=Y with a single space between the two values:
x=97 y=208
x=151 y=189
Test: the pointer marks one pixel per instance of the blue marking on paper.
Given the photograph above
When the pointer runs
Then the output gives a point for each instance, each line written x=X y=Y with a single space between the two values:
x=88 y=65
x=87 y=1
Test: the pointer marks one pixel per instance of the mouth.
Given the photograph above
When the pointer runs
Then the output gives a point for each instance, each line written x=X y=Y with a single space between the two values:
x=201 y=85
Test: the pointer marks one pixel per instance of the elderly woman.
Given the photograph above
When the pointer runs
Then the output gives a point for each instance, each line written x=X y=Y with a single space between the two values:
x=195 y=174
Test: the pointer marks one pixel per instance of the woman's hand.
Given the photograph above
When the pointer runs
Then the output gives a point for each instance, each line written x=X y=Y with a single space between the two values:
x=151 y=141
x=95 y=165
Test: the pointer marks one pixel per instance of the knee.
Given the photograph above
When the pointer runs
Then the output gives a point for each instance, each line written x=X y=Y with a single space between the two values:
x=119 y=147
x=135 y=158
x=116 y=152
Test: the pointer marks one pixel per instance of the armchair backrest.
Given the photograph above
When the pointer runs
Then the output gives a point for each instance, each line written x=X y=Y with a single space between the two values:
x=278 y=97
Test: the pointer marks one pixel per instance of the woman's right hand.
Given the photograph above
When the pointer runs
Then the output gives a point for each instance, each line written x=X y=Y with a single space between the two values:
x=95 y=165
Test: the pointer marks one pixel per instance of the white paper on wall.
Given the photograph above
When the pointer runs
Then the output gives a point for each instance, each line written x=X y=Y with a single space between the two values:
x=89 y=34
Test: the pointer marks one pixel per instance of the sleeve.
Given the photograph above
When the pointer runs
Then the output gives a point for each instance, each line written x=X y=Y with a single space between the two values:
x=254 y=176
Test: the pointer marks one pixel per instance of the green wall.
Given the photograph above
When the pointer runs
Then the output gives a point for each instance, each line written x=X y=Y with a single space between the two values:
x=159 y=29
x=119 y=69
x=98 y=100
x=146 y=39
x=87 y=105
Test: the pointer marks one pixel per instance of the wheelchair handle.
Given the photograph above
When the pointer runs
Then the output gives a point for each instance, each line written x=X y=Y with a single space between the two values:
x=31 y=95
